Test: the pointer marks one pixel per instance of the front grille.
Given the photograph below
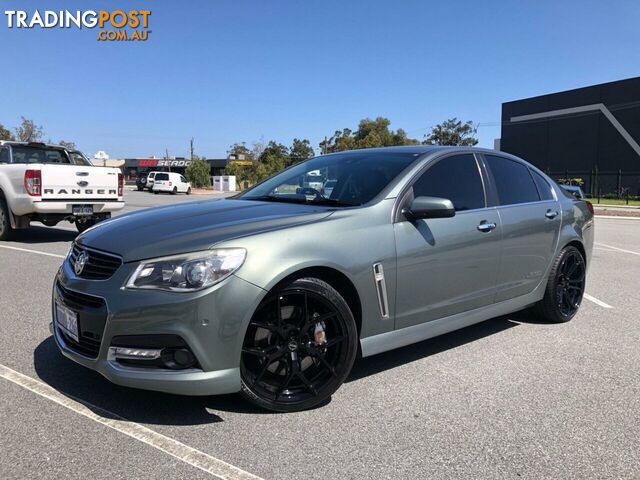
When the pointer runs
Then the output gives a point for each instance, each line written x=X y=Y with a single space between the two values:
x=99 y=266
x=92 y=318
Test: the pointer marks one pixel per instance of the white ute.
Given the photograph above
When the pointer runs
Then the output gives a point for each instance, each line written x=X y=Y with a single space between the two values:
x=48 y=184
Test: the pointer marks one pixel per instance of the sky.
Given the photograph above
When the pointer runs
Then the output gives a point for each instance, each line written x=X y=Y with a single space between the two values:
x=226 y=71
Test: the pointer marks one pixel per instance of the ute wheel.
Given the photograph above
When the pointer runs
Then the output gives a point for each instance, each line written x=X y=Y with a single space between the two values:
x=5 y=222
x=174 y=191
x=85 y=224
x=155 y=192
x=189 y=191
x=565 y=287
x=299 y=348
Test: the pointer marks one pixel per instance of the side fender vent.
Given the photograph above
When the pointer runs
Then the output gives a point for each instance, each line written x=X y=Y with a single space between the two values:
x=381 y=289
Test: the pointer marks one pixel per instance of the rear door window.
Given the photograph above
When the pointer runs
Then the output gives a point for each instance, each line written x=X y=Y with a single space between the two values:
x=544 y=189
x=4 y=155
x=513 y=181
x=162 y=176
x=456 y=178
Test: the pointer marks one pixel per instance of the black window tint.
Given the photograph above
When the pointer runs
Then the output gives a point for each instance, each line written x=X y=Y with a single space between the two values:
x=162 y=176
x=513 y=181
x=544 y=189
x=4 y=155
x=456 y=178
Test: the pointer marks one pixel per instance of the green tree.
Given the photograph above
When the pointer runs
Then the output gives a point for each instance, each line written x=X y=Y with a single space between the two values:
x=370 y=134
x=28 y=131
x=198 y=172
x=452 y=132
x=240 y=150
x=272 y=159
x=5 y=134
x=300 y=151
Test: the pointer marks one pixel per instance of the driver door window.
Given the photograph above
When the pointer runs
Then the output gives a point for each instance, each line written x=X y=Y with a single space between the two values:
x=456 y=178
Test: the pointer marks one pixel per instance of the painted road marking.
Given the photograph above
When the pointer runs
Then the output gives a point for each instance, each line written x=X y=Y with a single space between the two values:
x=185 y=453
x=596 y=301
x=618 y=249
x=32 y=251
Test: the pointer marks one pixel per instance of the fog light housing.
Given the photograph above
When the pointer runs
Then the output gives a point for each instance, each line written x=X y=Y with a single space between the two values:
x=152 y=351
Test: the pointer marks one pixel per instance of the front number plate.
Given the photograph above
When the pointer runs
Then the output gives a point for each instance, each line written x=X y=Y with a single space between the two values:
x=82 y=210
x=67 y=321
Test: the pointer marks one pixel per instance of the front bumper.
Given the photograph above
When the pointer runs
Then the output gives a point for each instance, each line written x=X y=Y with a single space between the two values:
x=212 y=323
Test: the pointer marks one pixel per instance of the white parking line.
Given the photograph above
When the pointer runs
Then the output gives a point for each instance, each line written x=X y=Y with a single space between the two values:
x=185 y=453
x=618 y=249
x=596 y=301
x=32 y=251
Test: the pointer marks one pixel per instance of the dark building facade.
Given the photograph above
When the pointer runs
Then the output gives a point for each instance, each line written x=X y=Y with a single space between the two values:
x=590 y=133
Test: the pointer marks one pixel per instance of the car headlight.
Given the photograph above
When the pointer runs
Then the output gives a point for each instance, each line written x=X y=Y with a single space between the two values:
x=187 y=273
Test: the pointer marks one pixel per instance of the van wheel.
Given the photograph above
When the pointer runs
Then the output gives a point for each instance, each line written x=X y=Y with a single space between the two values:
x=299 y=347
x=5 y=222
x=83 y=225
x=565 y=287
x=155 y=192
x=174 y=191
x=189 y=191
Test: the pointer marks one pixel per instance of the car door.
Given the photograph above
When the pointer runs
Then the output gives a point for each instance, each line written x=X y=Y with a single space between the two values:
x=530 y=217
x=447 y=265
x=184 y=185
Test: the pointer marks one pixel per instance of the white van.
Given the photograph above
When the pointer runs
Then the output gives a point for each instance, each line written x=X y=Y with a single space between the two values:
x=170 y=182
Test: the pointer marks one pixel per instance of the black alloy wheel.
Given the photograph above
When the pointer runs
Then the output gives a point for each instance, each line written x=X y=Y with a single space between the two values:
x=299 y=347
x=565 y=287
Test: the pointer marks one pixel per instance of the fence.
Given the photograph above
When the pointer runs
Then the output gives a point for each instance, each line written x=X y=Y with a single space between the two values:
x=622 y=185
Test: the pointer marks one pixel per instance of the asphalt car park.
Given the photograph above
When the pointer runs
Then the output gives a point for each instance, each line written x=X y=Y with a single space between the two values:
x=510 y=397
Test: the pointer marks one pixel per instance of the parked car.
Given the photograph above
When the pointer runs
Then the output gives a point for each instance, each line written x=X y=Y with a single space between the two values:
x=141 y=182
x=150 y=179
x=273 y=293
x=574 y=190
x=48 y=184
x=170 y=182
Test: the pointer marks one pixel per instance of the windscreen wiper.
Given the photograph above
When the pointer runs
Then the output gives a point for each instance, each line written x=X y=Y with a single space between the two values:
x=303 y=199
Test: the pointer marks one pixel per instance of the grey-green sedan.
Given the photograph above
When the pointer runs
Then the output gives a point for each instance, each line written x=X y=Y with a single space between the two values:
x=275 y=292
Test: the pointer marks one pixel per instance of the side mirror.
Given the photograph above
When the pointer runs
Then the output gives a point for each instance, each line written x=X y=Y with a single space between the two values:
x=429 y=207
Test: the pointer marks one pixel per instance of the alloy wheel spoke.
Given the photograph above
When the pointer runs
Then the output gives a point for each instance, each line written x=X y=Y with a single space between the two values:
x=307 y=383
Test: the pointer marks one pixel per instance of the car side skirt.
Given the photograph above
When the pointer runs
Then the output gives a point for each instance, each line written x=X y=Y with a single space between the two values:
x=417 y=333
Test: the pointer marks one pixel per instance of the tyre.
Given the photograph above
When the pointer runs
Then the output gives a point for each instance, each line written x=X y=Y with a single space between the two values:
x=85 y=224
x=189 y=191
x=174 y=191
x=5 y=222
x=565 y=287
x=155 y=192
x=299 y=347
x=140 y=189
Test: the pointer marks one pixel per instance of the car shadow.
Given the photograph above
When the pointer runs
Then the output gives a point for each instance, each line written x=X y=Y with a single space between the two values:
x=156 y=408
x=40 y=234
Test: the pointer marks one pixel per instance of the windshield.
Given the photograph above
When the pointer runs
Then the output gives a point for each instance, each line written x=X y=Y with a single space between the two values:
x=343 y=179
x=30 y=154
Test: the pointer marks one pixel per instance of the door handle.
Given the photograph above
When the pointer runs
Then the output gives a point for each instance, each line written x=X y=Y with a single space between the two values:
x=551 y=214
x=486 y=227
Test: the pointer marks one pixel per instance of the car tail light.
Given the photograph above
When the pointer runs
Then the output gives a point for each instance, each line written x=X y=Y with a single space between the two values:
x=120 y=184
x=589 y=206
x=33 y=182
